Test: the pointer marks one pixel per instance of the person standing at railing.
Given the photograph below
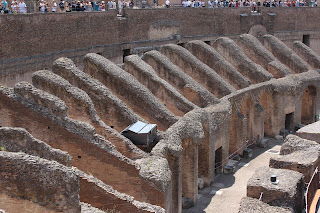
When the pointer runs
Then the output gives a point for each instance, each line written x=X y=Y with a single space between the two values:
x=5 y=6
x=103 y=6
x=42 y=6
x=61 y=5
x=14 y=7
x=88 y=6
x=120 y=6
x=167 y=4
x=54 y=7
x=22 y=7
x=209 y=4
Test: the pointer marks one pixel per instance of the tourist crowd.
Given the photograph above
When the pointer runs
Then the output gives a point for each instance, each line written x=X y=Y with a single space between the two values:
x=15 y=7
x=63 y=6
x=94 y=5
x=246 y=3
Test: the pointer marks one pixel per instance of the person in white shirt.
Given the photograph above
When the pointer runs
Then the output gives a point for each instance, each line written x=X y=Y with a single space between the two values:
x=114 y=5
x=55 y=6
x=188 y=3
x=120 y=6
x=184 y=3
x=14 y=7
x=209 y=4
x=109 y=4
x=22 y=7
x=167 y=4
x=42 y=6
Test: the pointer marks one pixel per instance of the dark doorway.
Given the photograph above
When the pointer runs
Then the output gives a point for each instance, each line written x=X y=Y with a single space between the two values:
x=218 y=161
x=207 y=42
x=289 y=122
x=306 y=40
x=182 y=44
x=126 y=52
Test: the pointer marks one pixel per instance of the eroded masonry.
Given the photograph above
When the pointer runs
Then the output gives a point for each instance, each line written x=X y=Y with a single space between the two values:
x=61 y=147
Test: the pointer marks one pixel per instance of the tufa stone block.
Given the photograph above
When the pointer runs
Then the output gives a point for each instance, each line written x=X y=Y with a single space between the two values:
x=289 y=192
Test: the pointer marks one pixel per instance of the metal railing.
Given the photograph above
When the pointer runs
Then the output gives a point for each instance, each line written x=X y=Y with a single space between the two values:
x=312 y=187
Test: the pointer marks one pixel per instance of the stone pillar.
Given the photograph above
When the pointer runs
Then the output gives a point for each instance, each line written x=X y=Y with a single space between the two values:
x=238 y=134
x=176 y=180
x=258 y=121
x=206 y=157
x=190 y=170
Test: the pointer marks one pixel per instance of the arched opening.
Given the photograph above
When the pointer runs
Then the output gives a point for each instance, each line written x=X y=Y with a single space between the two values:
x=308 y=105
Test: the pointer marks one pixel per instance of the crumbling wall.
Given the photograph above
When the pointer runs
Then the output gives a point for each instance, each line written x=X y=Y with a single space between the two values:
x=26 y=177
x=108 y=106
x=307 y=54
x=129 y=90
x=310 y=132
x=215 y=61
x=90 y=152
x=260 y=55
x=285 y=55
x=293 y=143
x=103 y=196
x=196 y=130
x=288 y=193
x=19 y=140
x=233 y=53
x=305 y=162
x=145 y=74
x=248 y=204
x=182 y=82
x=81 y=108
x=197 y=70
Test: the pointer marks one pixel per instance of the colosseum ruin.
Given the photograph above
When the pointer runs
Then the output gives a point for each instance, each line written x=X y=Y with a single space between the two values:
x=213 y=82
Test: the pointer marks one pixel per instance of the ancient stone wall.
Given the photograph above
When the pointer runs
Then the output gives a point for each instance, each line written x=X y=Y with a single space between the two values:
x=83 y=113
x=26 y=177
x=42 y=39
x=19 y=140
x=89 y=156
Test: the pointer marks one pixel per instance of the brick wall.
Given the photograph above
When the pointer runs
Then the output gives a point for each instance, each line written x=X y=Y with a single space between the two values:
x=33 y=39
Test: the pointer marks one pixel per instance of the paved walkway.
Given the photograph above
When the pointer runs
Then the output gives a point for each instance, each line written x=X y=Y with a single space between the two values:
x=225 y=193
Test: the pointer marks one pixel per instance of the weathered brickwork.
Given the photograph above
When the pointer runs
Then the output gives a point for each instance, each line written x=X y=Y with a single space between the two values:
x=205 y=111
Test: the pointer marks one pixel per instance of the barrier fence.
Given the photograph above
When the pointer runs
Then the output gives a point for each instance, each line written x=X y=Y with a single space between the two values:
x=312 y=187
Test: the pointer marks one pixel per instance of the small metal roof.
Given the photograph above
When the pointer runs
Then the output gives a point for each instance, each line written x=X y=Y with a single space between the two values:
x=141 y=127
x=147 y=128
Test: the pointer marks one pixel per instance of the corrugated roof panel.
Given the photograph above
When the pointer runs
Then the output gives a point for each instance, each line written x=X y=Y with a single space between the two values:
x=136 y=127
x=147 y=128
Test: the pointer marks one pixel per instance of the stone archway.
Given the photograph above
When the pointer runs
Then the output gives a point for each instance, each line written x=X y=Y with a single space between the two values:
x=308 y=105
x=257 y=30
